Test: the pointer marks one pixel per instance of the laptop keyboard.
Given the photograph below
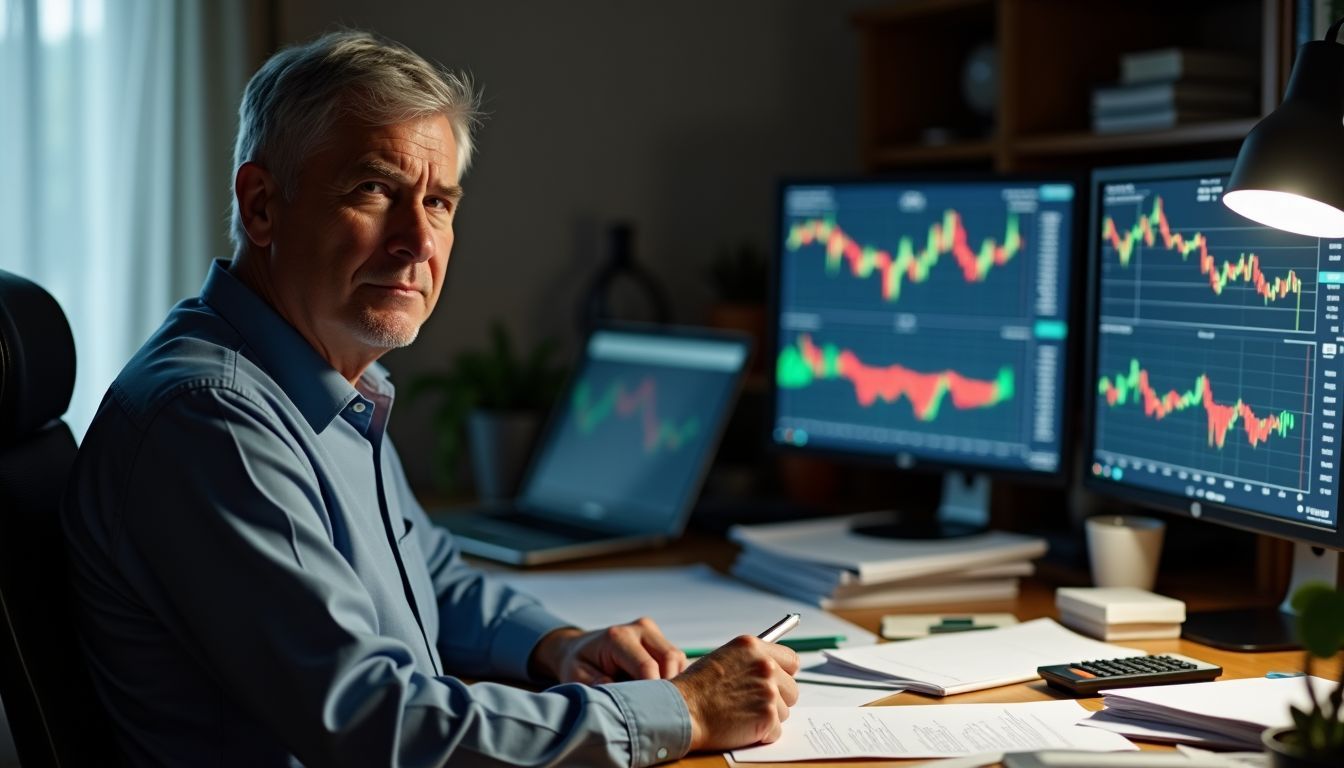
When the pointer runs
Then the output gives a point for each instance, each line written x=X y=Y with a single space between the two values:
x=519 y=529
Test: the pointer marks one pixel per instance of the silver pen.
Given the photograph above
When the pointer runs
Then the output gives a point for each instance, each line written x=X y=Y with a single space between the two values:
x=780 y=628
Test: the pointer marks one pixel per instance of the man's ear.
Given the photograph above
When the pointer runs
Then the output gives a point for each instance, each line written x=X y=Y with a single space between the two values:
x=257 y=193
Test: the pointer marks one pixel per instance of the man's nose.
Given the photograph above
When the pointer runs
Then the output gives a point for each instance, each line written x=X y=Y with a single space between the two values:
x=409 y=233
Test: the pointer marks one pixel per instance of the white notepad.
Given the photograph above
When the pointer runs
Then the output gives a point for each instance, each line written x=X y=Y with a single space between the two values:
x=969 y=661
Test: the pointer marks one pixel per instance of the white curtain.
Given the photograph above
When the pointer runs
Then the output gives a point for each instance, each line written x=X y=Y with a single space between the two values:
x=116 y=126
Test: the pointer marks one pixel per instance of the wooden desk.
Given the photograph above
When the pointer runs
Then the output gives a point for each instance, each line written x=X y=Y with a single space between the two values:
x=1037 y=599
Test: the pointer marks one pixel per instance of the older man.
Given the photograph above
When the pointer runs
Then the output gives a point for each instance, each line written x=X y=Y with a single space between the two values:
x=257 y=583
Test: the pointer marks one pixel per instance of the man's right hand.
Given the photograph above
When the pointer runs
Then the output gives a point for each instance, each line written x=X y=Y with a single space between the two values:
x=739 y=694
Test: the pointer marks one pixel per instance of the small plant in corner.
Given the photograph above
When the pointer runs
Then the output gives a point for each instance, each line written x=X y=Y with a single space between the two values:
x=1317 y=736
x=494 y=379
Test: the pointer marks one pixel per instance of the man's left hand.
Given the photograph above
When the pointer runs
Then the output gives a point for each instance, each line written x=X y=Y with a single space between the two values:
x=634 y=651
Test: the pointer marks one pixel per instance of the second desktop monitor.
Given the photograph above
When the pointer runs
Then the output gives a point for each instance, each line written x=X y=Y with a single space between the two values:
x=926 y=321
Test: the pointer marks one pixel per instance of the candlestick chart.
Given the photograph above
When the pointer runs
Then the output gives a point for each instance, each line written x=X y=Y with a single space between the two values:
x=636 y=403
x=946 y=239
x=1168 y=258
x=1237 y=407
x=913 y=387
x=963 y=247
x=634 y=430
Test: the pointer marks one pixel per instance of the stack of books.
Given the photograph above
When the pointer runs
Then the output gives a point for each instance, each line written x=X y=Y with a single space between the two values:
x=824 y=562
x=1168 y=87
x=1119 y=613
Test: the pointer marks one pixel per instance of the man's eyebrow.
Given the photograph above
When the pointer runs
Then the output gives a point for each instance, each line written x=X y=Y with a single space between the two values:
x=393 y=173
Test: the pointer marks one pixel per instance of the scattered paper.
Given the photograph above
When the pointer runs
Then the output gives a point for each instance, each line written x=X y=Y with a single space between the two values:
x=969 y=661
x=939 y=730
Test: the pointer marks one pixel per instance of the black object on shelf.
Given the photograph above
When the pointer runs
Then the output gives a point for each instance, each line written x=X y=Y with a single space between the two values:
x=620 y=266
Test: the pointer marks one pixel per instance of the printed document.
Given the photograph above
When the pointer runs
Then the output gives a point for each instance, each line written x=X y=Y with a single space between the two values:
x=935 y=730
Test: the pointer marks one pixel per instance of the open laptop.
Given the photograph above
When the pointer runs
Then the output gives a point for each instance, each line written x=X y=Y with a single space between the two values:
x=622 y=458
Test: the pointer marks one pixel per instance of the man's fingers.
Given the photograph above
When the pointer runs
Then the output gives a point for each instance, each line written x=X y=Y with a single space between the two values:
x=589 y=675
x=788 y=690
x=669 y=658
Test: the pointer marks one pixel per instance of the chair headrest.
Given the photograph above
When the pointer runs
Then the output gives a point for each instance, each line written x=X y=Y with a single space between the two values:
x=37 y=358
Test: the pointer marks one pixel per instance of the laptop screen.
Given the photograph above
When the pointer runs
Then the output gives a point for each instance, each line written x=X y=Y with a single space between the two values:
x=637 y=427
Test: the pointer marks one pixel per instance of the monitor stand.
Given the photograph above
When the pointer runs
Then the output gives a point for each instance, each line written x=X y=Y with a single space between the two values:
x=1264 y=629
x=962 y=511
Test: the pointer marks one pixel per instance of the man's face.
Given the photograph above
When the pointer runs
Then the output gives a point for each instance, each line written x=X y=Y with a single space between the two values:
x=357 y=255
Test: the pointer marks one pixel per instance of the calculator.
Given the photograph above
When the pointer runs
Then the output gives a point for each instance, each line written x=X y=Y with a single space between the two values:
x=1086 y=678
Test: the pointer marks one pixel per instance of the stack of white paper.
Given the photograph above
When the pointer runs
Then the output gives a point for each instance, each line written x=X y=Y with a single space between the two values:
x=825 y=563
x=1224 y=713
x=969 y=661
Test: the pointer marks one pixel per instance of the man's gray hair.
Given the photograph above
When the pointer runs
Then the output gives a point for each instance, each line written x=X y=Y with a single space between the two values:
x=299 y=94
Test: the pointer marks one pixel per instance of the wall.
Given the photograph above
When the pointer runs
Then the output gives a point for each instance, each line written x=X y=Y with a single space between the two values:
x=677 y=116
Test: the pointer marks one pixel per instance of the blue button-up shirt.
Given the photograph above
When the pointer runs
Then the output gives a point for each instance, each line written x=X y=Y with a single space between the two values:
x=258 y=586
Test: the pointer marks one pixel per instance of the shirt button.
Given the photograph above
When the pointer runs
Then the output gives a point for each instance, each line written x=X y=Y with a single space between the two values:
x=357 y=407
x=662 y=753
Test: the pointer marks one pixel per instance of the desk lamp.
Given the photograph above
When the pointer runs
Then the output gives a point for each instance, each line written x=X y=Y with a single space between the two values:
x=1290 y=171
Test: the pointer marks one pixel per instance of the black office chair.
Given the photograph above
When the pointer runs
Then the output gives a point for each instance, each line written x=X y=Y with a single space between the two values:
x=53 y=712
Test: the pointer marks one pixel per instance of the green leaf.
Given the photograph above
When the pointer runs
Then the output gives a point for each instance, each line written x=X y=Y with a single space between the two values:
x=1320 y=618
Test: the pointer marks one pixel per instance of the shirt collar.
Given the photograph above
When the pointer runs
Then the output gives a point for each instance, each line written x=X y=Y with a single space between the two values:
x=319 y=391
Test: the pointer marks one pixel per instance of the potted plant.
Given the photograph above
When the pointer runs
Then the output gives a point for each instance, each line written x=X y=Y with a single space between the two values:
x=491 y=401
x=1316 y=738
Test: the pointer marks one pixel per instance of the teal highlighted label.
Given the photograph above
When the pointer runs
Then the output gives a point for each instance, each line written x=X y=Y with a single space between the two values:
x=1051 y=330
x=1330 y=277
x=1056 y=192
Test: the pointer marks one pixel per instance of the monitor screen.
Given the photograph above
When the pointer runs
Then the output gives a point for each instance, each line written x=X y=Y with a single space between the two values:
x=639 y=423
x=925 y=321
x=1214 y=342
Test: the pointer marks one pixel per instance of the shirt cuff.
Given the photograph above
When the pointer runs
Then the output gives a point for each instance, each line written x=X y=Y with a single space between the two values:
x=657 y=718
x=518 y=634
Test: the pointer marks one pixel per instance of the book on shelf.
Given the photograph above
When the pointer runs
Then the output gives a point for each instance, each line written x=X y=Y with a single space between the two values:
x=1179 y=63
x=832 y=542
x=1222 y=96
x=1156 y=120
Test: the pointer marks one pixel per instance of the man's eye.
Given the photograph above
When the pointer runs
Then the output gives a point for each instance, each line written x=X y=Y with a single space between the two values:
x=439 y=203
x=373 y=188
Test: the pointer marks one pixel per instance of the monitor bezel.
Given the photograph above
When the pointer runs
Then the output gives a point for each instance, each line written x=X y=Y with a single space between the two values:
x=1224 y=514
x=910 y=460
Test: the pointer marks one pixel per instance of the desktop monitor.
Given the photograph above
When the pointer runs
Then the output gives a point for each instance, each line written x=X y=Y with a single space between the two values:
x=924 y=322
x=1213 y=371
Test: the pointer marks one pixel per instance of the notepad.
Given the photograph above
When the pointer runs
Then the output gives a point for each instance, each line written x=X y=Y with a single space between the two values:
x=969 y=661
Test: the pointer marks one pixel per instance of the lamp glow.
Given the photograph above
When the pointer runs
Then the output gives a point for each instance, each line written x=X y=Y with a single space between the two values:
x=1287 y=211
x=1290 y=171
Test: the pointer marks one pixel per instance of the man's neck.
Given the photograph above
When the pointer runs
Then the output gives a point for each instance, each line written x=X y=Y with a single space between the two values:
x=249 y=270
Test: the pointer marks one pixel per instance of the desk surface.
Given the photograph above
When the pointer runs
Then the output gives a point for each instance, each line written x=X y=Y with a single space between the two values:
x=1035 y=600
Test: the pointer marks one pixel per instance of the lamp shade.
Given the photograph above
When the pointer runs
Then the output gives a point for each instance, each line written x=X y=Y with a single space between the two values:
x=1290 y=172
